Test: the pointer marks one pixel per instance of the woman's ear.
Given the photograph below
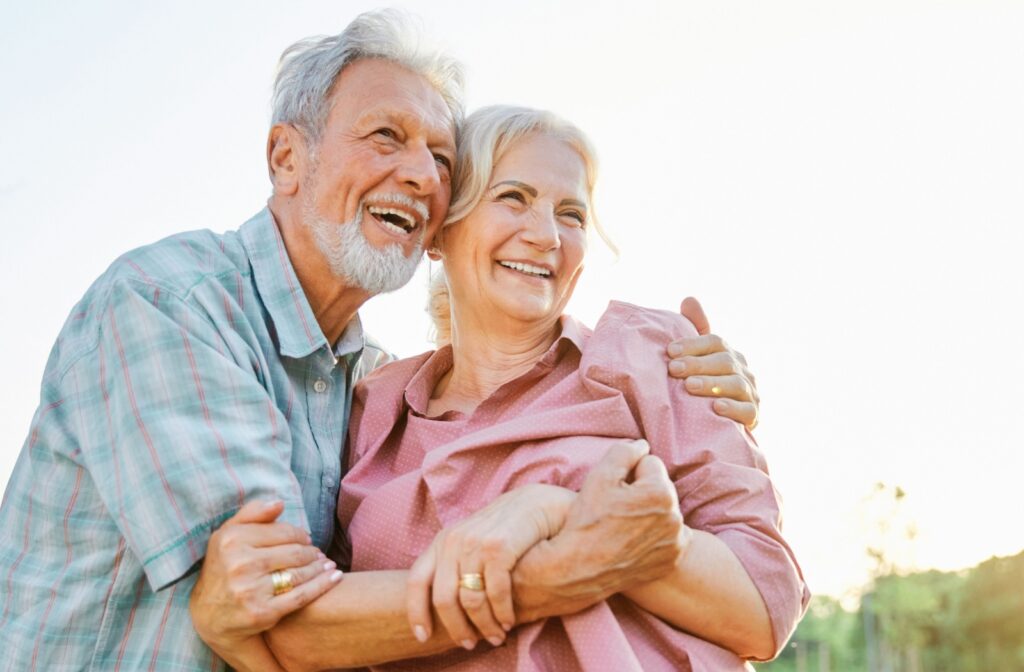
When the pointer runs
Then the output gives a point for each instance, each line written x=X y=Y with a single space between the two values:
x=436 y=246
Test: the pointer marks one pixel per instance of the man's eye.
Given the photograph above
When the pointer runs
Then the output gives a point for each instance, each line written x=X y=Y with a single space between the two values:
x=444 y=161
x=387 y=133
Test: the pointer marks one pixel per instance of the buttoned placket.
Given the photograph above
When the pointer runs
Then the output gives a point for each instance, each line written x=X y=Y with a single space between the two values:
x=327 y=395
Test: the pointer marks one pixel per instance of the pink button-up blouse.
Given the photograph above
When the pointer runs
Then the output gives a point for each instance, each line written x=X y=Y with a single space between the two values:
x=411 y=475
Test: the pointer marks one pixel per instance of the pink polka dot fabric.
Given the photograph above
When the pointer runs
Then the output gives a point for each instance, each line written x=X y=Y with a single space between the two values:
x=411 y=475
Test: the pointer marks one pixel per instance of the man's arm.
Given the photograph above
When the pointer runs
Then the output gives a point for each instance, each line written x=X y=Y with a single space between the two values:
x=363 y=620
x=713 y=369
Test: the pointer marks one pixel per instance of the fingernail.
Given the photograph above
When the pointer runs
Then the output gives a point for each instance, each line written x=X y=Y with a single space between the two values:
x=721 y=406
x=495 y=641
x=468 y=644
x=420 y=632
x=506 y=627
x=694 y=384
x=674 y=349
x=677 y=367
x=329 y=565
x=336 y=576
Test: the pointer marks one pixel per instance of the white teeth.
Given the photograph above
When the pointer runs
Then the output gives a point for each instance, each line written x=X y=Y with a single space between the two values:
x=526 y=268
x=410 y=223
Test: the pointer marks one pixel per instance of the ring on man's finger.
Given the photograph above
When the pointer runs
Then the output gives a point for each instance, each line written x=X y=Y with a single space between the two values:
x=472 y=581
x=282 y=580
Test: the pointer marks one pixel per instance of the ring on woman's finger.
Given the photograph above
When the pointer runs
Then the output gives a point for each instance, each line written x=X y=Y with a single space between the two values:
x=282 y=580
x=472 y=581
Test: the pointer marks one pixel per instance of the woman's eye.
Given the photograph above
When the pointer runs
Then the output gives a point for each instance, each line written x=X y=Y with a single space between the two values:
x=513 y=195
x=578 y=216
x=387 y=133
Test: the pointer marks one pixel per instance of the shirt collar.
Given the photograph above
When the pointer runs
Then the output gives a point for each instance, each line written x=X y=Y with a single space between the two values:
x=422 y=384
x=298 y=332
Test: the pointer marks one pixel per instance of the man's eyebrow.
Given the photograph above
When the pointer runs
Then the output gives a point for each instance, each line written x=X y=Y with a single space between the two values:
x=516 y=183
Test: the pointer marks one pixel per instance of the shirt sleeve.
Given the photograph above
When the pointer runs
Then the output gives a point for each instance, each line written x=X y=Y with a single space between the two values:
x=175 y=428
x=720 y=475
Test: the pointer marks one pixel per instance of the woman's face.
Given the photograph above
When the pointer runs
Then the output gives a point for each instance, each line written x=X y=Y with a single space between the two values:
x=520 y=251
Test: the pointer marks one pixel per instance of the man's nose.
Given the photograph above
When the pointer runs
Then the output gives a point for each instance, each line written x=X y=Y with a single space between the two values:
x=419 y=171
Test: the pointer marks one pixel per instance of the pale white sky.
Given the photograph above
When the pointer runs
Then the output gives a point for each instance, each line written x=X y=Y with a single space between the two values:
x=842 y=184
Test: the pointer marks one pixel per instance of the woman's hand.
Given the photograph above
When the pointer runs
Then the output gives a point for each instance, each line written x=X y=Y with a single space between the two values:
x=486 y=545
x=713 y=369
x=624 y=529
x=233 y=600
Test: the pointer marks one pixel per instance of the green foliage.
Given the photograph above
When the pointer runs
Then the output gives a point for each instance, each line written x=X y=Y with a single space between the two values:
x=969 y=621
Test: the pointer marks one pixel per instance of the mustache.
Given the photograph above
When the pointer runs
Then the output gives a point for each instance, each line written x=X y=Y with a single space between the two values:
x=398 y=199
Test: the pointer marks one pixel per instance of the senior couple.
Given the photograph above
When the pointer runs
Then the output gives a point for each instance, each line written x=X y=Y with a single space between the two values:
x=532 y=495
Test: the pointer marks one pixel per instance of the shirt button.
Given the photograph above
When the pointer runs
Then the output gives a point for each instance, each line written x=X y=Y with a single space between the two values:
x=320 y=385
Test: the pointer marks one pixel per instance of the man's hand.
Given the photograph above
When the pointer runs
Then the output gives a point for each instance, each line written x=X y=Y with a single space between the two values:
x=233 y=600
x=713 y=369
x=623 y=529
x=488 y=543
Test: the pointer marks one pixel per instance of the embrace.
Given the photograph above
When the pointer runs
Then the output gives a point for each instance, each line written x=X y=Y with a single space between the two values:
x=224 y=470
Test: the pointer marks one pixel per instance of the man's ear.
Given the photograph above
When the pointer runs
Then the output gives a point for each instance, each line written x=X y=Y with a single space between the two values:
x=285 y=149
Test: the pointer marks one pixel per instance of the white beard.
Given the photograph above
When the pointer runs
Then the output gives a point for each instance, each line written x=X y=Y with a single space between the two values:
x=352 y=257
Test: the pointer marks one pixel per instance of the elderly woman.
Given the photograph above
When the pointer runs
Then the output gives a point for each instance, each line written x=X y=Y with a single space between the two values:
x=524 y=399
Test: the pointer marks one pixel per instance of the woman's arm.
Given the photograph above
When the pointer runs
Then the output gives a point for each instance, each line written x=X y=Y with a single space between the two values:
x=710 y=595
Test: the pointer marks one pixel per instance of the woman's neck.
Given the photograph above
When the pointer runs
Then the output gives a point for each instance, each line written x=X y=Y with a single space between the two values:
x=485 y=357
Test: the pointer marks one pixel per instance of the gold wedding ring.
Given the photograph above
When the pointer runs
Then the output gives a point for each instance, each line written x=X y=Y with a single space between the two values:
x=472 y=582
x=716 y=390
x=282 y=581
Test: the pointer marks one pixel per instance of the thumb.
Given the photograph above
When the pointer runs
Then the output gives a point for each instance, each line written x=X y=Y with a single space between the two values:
x=618 y=462
x=257 y=511
x=691 y=310
x=650 y=468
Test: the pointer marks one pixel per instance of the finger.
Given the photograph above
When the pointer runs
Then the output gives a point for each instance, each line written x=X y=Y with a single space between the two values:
x=498 y=583
x=417 y=594
x=256 y=511
x=285 y=603
x=300 y=574
x=691 y=309
x=743 y=412
x=260 y=535
x=651 y=469
x=715 y=364
x=729 y=387
x=446 y=596
x=477 y=607
x=618 y=462
x=697 y=345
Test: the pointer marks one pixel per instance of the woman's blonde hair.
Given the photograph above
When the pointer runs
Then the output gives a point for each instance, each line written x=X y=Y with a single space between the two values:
x=487 y=135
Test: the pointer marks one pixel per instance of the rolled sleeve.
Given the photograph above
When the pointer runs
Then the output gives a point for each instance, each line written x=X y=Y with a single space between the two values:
x=179 y=431
x=720 y=475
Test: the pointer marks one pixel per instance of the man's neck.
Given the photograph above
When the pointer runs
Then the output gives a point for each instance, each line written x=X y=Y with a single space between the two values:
x=334 y=303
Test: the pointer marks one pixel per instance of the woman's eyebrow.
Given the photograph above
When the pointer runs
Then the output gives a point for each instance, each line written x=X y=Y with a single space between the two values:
x=572 y=201
x=516 y=183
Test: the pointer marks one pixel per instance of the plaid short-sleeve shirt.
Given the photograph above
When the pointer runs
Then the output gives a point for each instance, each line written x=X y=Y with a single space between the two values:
x=191 y=378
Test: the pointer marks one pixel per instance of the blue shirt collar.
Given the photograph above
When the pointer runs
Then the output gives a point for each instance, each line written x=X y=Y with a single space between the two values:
x=298 y=332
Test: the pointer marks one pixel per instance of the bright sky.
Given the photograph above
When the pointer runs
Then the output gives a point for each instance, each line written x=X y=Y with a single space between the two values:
x=841 y=184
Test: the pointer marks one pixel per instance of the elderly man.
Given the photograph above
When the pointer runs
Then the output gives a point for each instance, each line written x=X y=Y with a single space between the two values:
x=207 y=371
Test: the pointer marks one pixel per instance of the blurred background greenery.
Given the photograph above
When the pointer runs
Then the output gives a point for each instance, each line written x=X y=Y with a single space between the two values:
x=913 y=621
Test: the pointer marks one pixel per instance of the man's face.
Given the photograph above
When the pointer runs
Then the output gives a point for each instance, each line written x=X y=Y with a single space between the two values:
x=378 y=185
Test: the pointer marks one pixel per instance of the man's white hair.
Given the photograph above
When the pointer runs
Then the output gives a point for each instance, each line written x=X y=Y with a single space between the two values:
x=309 y=68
